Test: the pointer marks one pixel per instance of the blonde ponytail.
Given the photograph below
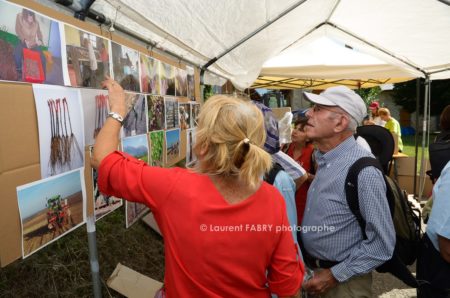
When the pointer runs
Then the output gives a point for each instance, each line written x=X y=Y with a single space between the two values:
x=229 y=140
x=257 y=161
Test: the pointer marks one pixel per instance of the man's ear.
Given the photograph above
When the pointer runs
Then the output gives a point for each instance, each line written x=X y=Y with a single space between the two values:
x=341 y=124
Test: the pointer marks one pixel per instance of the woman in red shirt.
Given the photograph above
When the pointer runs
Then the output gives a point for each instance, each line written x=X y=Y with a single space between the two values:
x=226 y=232
x=301 y=150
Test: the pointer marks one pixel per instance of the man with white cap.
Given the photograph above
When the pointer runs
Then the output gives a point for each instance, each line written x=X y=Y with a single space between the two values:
x=333 y=243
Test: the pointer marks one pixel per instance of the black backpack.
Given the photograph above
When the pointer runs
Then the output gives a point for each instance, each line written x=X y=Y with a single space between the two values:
x=439 y=153
x=405 y=217
x=270 y=176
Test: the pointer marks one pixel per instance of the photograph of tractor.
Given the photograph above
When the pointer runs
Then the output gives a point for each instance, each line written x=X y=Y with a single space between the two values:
x=59 y=217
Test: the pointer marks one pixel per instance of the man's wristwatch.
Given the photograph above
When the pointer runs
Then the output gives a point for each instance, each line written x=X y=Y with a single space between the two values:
x=116 y=116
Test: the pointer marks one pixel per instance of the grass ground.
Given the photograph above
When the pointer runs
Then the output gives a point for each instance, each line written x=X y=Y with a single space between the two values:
x=410 y=149
x=62 y=269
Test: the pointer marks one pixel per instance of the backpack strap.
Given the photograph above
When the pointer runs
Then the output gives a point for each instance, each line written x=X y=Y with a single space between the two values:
x=351 y=187
x=272 y=174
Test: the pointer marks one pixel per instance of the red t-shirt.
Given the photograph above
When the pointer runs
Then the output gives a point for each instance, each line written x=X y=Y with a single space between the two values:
x=201 y=260
x=301 y=194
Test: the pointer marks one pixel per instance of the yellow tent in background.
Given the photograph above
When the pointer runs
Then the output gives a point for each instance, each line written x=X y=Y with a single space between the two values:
x=269 y=82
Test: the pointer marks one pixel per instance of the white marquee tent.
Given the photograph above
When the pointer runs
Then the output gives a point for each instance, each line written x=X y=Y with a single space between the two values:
x=234 y=38
x=380 y=40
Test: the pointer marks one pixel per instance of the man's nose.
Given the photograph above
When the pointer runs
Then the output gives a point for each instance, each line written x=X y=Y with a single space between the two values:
x=308 y=112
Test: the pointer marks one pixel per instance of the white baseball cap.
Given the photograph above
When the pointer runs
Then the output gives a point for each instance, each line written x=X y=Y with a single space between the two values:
x=343 y=97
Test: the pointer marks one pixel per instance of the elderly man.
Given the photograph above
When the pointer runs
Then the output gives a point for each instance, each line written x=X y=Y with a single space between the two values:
x=333 y=243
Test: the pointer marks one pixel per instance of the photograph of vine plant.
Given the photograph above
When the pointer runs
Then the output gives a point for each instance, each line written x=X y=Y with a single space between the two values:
x=157 y=147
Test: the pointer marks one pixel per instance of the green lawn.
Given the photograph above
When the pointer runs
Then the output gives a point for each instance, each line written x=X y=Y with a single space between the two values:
x=410 y=149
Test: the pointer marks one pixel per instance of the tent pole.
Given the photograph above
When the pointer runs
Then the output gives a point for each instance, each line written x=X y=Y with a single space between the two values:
x=426 y=113
x=202 y=84
x=416 y=138
x=93 y=256
x=446 y=2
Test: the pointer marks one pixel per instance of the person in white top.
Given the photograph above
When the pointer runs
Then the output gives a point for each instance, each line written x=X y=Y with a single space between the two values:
x=374 y=118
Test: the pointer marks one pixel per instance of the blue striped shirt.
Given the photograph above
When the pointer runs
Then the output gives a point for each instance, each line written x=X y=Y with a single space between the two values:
x=330 y=231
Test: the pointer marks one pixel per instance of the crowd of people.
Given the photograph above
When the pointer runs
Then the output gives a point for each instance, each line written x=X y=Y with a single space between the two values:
x=253 y=217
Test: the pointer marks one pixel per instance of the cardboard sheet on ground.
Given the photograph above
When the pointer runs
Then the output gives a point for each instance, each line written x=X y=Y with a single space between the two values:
x=132 y=284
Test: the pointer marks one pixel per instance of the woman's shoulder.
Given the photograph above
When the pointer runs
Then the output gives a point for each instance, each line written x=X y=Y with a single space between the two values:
x=270 y=193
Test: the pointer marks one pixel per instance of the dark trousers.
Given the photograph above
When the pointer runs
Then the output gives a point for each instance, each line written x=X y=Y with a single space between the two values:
x=433 y=272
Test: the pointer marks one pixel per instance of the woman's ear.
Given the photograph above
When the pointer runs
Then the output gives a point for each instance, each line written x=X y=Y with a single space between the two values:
x=203 y=149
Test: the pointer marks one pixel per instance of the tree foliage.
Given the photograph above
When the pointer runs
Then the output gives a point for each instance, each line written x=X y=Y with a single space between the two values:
x=369 y=94
x=405 y=95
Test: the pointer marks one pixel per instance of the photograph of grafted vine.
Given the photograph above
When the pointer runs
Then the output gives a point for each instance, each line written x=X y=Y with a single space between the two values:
x=95 y=111
x=61 y=136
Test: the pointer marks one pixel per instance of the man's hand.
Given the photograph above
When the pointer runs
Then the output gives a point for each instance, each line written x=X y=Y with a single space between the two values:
x=322 y=281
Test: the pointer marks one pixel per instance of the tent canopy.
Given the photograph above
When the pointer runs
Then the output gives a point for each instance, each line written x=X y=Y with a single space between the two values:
x=323 y=63
x=408 y=37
